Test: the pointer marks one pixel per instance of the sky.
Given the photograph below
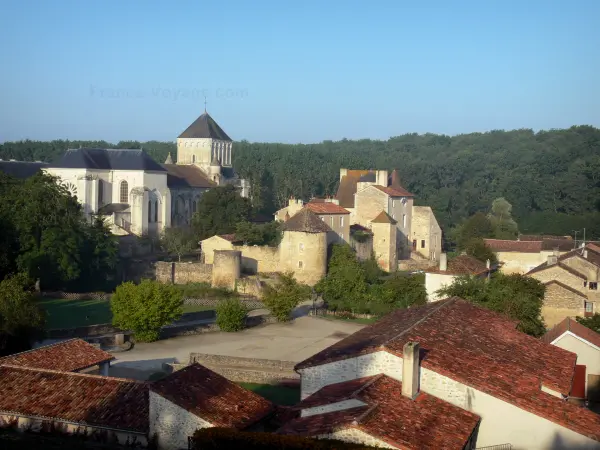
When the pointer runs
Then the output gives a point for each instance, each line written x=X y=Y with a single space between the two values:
x=295 y=71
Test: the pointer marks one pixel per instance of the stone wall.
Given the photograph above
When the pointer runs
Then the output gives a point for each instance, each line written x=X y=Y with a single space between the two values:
x=305 y=254
x=182 y=272
x=171 y=424
x=560 y=303
x=259 y=258
x=368 y=203
x=354 y=436
x=556 y=273
x=76 y=295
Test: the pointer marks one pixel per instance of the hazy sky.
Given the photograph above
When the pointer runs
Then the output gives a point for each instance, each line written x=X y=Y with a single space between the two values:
x=295 y=71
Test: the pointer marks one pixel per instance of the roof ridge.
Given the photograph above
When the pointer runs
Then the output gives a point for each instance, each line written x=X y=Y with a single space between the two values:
x=364 y=415
x=40 y=348
x=75 y=374
x=366 y=385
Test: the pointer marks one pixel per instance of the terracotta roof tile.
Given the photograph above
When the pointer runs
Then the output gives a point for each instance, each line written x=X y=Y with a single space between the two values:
x=425 y=423
x=501 y=245
x=306 y=221
x=213 y=397
x=462 y=265
x=478 y=348
x=384 y=217
x=594 y=248
x=542 y=237
x=67 y=356
x=348 y=186
x=394 y=191
x=73 y=397
x=574 y=327
x=326 y=208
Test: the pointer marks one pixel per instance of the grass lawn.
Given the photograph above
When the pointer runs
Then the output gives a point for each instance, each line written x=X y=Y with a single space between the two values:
x=63 y=313
x=280 y=395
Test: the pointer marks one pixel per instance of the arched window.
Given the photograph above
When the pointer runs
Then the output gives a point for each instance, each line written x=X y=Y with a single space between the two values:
x=100 y=192
x=156 y=210
x=194 y=206
x=124 y=192
x=149 y=211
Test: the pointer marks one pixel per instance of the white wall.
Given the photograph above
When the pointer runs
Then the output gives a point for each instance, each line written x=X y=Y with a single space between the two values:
x=502 y=422
x=434 y=282
x=171 y=424
x=587 y=354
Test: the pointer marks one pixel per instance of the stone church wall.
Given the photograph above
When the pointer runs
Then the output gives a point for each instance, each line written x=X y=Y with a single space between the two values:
x=259 y=258
x=182 y=272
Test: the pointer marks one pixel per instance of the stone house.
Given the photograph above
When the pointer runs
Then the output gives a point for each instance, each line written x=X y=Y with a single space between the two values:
x=585 y=343
x=384 y=241
x=528 y=252
x=196 y=397
x=446 y=375
x=293 y=207
x=336 y=217
x=444 y=275
x=426 y=233
x=571 y=284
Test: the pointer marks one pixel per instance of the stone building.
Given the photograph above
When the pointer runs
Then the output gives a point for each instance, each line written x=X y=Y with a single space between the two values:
x=384 y=241
x=571 y=281
x=294 y=205
x=426 y=233
x=585 y=343
x=336 y=217
x=446 y=375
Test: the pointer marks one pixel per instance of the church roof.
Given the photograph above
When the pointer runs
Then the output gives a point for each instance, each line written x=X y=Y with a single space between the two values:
x=21 y=169
x=306 y=221
x=186 y=176
x=107 y=159
x=205 y=127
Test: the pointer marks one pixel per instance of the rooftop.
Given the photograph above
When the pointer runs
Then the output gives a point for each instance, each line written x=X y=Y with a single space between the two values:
x=348 y=186
x=212 y=397
x=326 y=208
x=593 y=256
x=205 y=127
x=461 y=265
x=384 y=217
x=182 y=176
x=72 y=397
x=504 y=245
x=480 y=349
x=67 y=356
x=397 y=191
x=306 y=221
x=570 y=325
x=107 y=159
x=425 y=423
x=21 y=169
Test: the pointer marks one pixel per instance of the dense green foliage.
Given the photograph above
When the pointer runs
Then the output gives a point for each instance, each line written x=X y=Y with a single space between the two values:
x=229 y=438
x=249 y=233
x=231 y=315
x=178 y=241
x=219 y=211
x=516 y=296
x=45 y=236
x=476 y=247
x=593 y=322
x=146 y=308
x=283 y=296
x=21 y=320
x=551 y=178
x=357 y=287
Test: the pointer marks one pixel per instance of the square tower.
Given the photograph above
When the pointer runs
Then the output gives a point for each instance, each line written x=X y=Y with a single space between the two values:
x=203 y=143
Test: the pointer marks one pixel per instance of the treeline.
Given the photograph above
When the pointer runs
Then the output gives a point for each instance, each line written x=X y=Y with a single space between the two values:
x=551 y=178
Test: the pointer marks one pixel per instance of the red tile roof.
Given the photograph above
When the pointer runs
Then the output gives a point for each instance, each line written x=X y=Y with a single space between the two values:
x=501 y=245
x=74 y=397
x=326 y=208
x=461 y=265
x=348 y=185
x=594 y=248
x=543 y=237
x=574 y=327
x=212 y=397
x=394 y=191
x=424 y=423
x=306 y=221
x=67 y=356
x=384 y=217
x=478 y=348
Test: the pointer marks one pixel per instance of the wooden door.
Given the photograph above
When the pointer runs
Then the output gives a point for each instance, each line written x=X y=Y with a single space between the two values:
x=593 y=388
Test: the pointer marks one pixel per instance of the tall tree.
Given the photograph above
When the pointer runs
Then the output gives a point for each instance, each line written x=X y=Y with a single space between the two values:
x=219 y=211
x=501 y=218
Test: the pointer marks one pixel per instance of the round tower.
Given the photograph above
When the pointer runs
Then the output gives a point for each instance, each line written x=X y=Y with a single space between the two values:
x=226 y=268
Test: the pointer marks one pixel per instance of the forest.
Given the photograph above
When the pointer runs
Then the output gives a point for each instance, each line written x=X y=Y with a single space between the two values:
x=551 y=178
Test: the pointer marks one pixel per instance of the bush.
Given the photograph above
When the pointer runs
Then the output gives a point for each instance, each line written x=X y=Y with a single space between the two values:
x=284 y=296
x=231 y=315
x=146 y=308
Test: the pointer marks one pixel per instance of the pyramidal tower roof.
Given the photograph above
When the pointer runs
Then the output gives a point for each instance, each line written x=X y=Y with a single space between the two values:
x=306 y=221
x=205 y=127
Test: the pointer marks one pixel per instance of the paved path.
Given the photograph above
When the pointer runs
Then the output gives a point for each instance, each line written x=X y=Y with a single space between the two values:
x=294 y=341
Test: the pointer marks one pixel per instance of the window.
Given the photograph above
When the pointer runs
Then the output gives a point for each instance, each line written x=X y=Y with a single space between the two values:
x=156 y=210
x=403 y=201
x=403 y=220
x=193 y=159
x=341 y=221
x=194 y=206
x=300 y=264
x=422 y=243
x=301 y=247
x=124 y=192
x=149 y=211
x=593 y=285
x=100 y=192
x=589 y=309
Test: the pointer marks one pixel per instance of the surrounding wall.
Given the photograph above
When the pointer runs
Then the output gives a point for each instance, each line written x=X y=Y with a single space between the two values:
x=182 y=273
x=560 y=303
x=214 y=243
x=502 y=422
x=587 y=354
x=259 y=258
x=436 y=281
x=171 y=424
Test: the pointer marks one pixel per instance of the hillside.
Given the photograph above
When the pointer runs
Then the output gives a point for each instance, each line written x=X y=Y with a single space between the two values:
x=552 y=178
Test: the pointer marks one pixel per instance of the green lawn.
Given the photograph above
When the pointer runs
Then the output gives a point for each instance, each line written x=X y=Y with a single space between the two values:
x=280 y=395
x=77 y=313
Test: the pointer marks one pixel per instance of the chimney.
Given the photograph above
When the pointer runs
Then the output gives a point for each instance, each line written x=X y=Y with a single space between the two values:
x=585 y=254
x=443 y=262
x=488 y=264
x=410 y=370
x=552 y=259
x=395 y=179
x=381 y=178
x=343 y=172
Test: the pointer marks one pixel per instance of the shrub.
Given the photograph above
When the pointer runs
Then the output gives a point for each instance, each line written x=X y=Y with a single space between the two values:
x=284 y=296
x=231 y=315
x=146 y=308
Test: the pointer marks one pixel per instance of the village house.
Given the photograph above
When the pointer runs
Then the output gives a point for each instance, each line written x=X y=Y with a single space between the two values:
x=444 y=275
x=448 y=375
x=571 y=281
x=336 y=217
x=585 y=343
x=426 y=234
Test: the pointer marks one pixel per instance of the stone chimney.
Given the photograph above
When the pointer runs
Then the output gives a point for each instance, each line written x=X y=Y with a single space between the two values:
x=488 y=264
x=585 y=254
x=443 y=262
x=343 y=173
x=552 y=259
x=410 y=370
x=395 y=182
x=381 y=178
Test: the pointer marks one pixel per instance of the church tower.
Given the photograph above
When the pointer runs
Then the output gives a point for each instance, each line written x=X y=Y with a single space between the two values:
x=203 y=142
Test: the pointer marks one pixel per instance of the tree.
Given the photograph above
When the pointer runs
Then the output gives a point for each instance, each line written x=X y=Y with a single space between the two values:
x=501 y=218
x=178 y=241
x=219 y=211
x=259 y=234
x=21 y=319
x=478 y=226
x=282 y=297
x=593 y=322
x=404 y=291
x=146 y=308
x=518 y=297
x=231 y=315
x=476 y=247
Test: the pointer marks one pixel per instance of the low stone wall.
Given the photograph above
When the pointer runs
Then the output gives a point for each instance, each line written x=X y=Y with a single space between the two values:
x=410 y=265
x=182 y=272
x=342 y=314
x=208 y=359
x=76 y=295
x=249 y=302
x=259 y=258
